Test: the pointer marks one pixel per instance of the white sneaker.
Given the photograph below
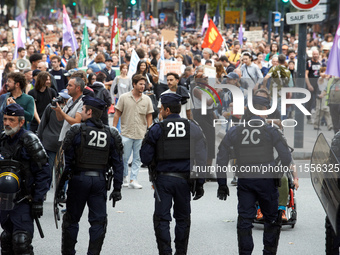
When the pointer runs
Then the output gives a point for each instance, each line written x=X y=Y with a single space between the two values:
x=135 y=185
x=125 y=182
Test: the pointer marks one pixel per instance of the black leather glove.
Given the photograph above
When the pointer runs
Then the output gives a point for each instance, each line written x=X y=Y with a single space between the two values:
x=37 y=209
x=115 y=196
x=222 y=192
x=199 y=191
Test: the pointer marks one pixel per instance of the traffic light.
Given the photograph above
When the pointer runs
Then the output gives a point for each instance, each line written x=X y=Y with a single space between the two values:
x=133 y=2
x=74 y=3
x=52 y=10
x=285 y=1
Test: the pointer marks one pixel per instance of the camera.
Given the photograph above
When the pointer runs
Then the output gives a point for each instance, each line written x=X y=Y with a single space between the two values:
x=56 y=100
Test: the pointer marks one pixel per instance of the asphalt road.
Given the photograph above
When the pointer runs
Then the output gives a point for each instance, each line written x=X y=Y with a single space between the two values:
x=213 y=228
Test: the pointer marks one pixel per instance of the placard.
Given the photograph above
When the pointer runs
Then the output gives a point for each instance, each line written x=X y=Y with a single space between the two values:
x=172 y=67
x=51 y=39
x=169 y=35
x=253 y=36
x=210 y=71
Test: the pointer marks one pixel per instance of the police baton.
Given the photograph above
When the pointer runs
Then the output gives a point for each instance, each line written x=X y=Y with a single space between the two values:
x=39 y=226
x=158 y=198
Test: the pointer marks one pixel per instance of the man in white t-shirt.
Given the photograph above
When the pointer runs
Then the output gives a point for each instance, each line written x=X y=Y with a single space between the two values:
x=172 y=80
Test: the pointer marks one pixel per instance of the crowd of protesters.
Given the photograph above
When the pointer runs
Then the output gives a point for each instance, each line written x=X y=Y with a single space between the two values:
x=246 y=64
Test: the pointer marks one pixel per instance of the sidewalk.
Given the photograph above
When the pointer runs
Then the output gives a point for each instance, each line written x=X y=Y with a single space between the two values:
x=310 y=135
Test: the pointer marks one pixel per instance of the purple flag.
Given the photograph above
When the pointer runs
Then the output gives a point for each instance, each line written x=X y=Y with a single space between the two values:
x=21 y=17
x=240 y=34
x=69 y=39
x=205 y=24
x=19 y=43
x=333 y=65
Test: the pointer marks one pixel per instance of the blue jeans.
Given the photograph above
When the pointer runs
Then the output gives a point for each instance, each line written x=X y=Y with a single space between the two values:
x=131 y=145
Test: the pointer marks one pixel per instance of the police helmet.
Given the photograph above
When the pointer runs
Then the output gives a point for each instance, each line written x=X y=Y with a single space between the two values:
x=9 y=187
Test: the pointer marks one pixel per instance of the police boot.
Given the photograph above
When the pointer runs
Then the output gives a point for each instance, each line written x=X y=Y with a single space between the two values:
x=182 y=231
x=271 y=235
x=6 y=243
x=95 y=246
x=244 y=236
x=22 y=243
x=67 y=242
x=163 y=243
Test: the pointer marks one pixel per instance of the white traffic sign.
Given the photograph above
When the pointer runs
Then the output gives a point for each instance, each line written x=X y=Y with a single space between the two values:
x=304 y=17
x=304 y=4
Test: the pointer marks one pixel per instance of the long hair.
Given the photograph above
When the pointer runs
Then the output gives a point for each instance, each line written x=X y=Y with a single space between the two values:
x=41 y=80
x=138 y=67
x=219 y=70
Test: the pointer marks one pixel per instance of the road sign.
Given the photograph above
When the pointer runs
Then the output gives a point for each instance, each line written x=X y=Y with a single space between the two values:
x=162 y=16
x=277 y=19
x=304 y=17
x=304 y=4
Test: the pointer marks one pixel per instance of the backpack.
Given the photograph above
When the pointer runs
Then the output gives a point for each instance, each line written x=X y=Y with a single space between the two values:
x=153 y=71
x=280 y=77
x=99 y=93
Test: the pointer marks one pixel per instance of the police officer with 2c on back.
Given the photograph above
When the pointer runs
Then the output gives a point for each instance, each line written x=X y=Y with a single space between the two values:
x=90 y=149
x=166 y=150
x=24 y=181
x=253 y=143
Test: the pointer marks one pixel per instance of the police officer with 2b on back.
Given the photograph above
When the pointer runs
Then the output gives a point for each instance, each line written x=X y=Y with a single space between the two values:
x=167 y=149
x=24 y=181
x=91 y=148
x=253 y=143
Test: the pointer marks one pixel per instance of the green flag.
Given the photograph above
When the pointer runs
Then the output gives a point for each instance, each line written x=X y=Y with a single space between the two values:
x=85 y=44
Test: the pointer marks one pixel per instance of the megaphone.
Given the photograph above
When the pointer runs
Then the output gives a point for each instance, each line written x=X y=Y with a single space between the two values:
x=23 y=64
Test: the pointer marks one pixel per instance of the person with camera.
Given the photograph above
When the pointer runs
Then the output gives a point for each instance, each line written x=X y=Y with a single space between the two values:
x=90 y=149
x=70 y=114
x=49 y=127
x=24 y=158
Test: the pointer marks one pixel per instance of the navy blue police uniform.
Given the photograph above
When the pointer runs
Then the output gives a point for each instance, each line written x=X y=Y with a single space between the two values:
x=24 y=148
x=167 y=145
x=91 y=148
x=253 y=147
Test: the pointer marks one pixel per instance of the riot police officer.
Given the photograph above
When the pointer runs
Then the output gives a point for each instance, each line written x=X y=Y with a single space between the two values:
x=24 y=159
x=90 y=149
x=253 y=143
x=166 y=149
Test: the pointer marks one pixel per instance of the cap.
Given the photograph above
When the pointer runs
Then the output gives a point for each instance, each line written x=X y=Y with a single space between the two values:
x=95 y=102
x=109 y=59
x=326 y=47
x=4 y=48
x=14 y=110
x=35 y=72
x=64 y=93
x=233 y=76
x=244 y=39
x=261 y=101
x=70 y=72
x=171 y=98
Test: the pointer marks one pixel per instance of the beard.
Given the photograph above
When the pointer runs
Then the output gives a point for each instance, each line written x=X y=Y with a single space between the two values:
x=11 y=131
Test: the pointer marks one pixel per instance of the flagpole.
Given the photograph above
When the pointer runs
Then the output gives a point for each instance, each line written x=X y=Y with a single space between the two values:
x=119 y=50
x=86 y=54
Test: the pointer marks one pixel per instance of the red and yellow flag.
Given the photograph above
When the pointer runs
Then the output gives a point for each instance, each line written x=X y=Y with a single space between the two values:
x=213 y=39
x=42 y=45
